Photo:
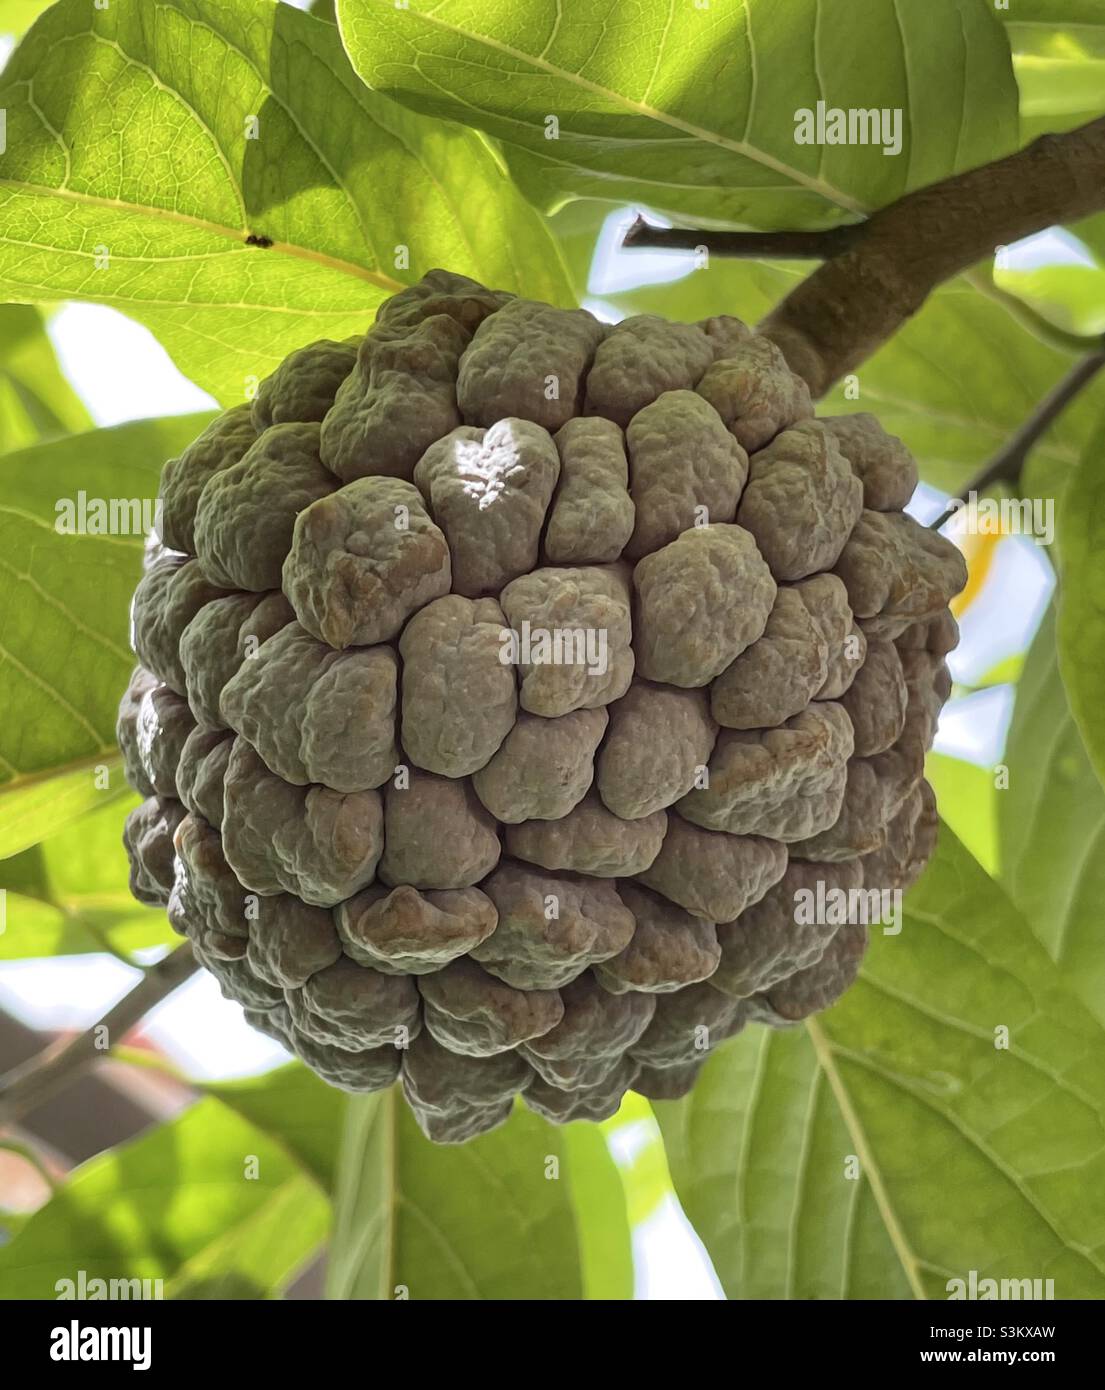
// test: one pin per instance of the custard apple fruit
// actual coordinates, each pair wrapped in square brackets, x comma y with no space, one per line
[504,676]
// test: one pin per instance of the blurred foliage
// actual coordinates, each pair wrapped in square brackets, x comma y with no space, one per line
[890,1144]
[68,894]
[36,401]
[206,1200]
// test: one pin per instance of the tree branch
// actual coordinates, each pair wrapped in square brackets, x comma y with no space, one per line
[1007,463]
[847,308]
[803,246]
[877,273]
[43,1076]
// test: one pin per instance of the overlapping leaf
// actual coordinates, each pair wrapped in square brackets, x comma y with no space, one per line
[968,803]
[975,1155]
[68,894]
[64,653]
[296,1107]
[147,144]
[492,1218]
[692,109]
[208,1203]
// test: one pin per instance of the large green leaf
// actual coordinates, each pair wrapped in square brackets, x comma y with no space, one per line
[34,807]
[1051,822]
[954,383]
[1059,60]
[64,657]
[36,401]
[1061,14]
[974,1156]
[485,1219]
[967,799]
[600,1202]
[18,15]
[1082,598]
[758,1153]
[68,894]
[692,110]
[1070,296]
[208,1203]
[127,135]
[296,1107]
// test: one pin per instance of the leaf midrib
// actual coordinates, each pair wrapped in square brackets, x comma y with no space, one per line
[235,234]
[910,1261]
[649,112]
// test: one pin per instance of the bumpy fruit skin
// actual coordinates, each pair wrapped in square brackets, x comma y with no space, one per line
[410,844]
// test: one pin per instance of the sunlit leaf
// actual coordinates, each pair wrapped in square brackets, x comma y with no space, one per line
[968,804]
[146,144]
[297,1107]
[69,895]
[207,1203]
[64,649]
[1070,296]
[692,109]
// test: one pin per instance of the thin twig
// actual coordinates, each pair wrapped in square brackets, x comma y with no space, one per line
[44,1075]
[803,246]
[1007,463]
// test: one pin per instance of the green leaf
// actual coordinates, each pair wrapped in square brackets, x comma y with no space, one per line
[151,213]
[1091,231]
[1059,93]
[1051,822]
[69,894]
[968,804]
[954,382]
[459,1222]
[18,15]
[1055,14]
[36,401]
[64,653]
[38,807]
[598,1194]
[758,1155]
[971,1156]
[1059,59]
[644,1171]
[1070,296]
[1082,598]
[176,1204]
[1007,672]
[693,110]
[296,1107]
